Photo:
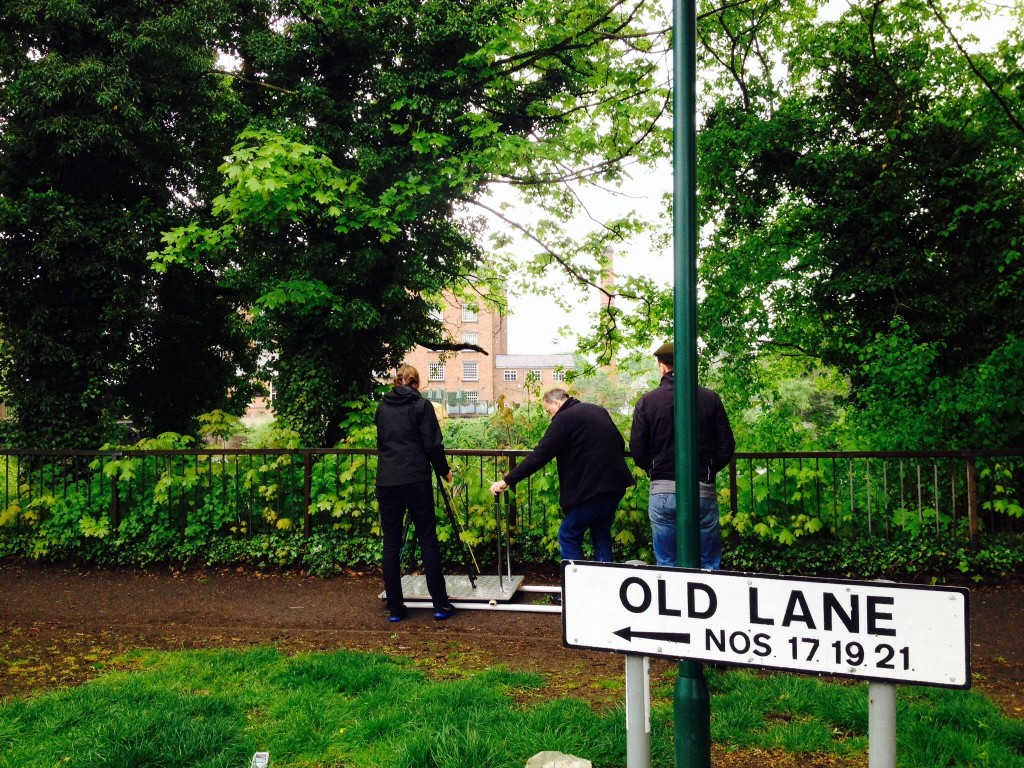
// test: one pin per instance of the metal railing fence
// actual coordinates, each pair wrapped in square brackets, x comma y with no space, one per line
[239,491]
[247,491]
[879,492]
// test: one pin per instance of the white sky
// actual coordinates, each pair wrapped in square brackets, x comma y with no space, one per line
[535,320]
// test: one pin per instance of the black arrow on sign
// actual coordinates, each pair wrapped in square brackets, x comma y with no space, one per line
[627,633]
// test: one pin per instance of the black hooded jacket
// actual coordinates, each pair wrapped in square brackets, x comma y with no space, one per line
[408,439]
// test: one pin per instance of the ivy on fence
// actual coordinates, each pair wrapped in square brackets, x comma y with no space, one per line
[168,501]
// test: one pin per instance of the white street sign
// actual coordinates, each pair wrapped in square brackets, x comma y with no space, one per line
[898,633]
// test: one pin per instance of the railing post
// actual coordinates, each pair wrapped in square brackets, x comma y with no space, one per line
[307,487]
[513,507]
[734,491]
[972,501]
[115,499]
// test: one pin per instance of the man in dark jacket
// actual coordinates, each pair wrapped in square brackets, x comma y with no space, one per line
[653,447]
[592,472]
[409,445]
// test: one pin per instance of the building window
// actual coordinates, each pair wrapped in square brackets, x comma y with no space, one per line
[435,372]
[469,313]
[511,375]
[558,375]
[472,396]
[536,375]
[469,372]
[470,337]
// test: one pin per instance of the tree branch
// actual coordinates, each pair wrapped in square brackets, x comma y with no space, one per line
[441,346]
[247,81]
[973,67]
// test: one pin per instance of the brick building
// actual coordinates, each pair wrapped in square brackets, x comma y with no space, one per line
[470,383]
[516,373]
[463,380]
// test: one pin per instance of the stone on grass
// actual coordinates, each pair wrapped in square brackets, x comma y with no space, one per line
[551,759]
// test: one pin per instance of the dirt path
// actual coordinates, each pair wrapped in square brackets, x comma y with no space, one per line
[60,626]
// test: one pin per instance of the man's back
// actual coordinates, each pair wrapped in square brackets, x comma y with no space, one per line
[652,439]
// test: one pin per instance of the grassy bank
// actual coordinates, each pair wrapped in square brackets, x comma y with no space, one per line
[214,709]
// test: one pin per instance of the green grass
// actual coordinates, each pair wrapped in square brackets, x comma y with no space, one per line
[934,726]
[214,709]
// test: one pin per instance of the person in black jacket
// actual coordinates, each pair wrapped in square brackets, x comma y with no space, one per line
[409,445]
[592,472]
[652,445]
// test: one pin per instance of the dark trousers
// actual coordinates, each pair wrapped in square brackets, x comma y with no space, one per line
[418,499]
[596,514]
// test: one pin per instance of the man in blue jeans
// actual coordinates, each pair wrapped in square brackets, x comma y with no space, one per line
[653,447]
[592,472]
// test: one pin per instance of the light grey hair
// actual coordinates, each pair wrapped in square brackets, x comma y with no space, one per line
[555,395]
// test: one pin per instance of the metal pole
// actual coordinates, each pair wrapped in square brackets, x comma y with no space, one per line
[972,502]
[881,725]
[638,711]
[692,703]
[508,540]
[307,487]
[638,706]
[497,525]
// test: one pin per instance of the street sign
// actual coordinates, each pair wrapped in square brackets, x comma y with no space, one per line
[897,633]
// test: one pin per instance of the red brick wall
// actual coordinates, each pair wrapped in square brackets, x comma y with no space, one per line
[491,331]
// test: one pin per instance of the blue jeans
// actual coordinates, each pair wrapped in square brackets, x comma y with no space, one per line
[418,499]
[596,515]
[662,510]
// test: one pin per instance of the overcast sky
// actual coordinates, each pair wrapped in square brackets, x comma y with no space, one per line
[535,320]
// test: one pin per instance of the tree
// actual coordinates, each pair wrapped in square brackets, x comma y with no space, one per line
[873,198]
[110,126]
[344,210]
[858,183]
[738,49]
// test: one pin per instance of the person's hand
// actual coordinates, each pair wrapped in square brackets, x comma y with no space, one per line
[499,487]
[448,478]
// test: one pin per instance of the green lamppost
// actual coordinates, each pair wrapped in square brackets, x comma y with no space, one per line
[692,702]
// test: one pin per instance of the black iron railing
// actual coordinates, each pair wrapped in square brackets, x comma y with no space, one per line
[877,492]
[783,495]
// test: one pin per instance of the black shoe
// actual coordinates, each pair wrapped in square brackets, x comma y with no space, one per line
[444,613]
[398,615]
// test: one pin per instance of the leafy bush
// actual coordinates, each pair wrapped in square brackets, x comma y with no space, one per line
[921,557]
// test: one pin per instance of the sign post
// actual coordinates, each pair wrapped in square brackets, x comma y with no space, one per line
[638,711]
[881,725]
[880,631]
[638,707]
[691,701]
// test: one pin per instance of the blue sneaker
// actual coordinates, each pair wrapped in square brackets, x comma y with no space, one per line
[444,613]
[398,615]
